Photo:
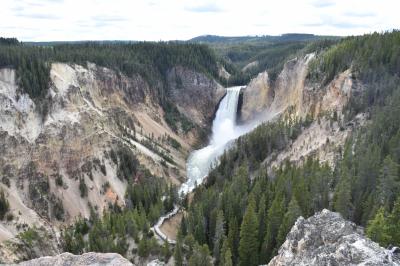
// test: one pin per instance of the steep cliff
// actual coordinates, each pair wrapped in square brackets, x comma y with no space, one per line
[92,113]
[292,89]
[292,93]
[195,94]
[327,239]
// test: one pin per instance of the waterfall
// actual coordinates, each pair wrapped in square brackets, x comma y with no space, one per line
[224,129]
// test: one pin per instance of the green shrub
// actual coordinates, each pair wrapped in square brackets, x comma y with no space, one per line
[29,236]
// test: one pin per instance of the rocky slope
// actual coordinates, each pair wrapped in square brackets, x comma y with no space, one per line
[327,239]
[92,113]
[292,89]
[194,94]
[292,93]
[91,258]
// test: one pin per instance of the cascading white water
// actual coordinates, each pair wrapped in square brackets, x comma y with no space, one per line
[224,129]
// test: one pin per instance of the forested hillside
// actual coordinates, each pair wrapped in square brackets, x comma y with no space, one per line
[242,214]
[149,60]
[146,200]
[245,57]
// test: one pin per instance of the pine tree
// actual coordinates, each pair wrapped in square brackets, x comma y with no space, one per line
[227,258]
[219,234]
[166,251]
[389,185]
[4,204]
[248,245]
[377,228]
[394,223]
[289,219]
[200,257]
[262,213]
[178,255]
[83,188]
[233,239]
[274,220]
[190,244]
[342,199]
[224,250]
[183,226]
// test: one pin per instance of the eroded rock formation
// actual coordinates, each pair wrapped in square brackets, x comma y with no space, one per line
[327,239]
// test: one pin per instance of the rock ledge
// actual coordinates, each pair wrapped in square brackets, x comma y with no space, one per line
[327,239]
[90,258]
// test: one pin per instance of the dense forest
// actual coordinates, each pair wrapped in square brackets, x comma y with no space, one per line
[374,60]
[242,214]
[247,56]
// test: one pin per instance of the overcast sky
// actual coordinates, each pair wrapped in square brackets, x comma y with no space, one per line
[45,20]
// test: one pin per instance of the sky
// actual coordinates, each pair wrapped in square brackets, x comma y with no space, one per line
[154,20]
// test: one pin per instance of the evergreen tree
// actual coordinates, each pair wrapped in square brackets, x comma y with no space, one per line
[233,239]
[166,251]
[378,229]
[219,234]
[225,248]
[200,257]
[274,220]
[4,204]
[289,219]
[394,223]
[178,255]
[342,200]
[389,183]
[190,244]
[227,258]
[83,188]
[248,245]
[262,213]
[183,226]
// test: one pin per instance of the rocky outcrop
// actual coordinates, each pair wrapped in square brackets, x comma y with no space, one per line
[292,93]
[327,239]
[257,97]
[34,243]
[292,90]
[273,98]
[91,258]
[323,139]
[223,73]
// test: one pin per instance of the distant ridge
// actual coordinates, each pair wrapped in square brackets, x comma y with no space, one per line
[278,38]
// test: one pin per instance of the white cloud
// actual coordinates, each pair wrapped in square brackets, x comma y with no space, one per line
[41,20]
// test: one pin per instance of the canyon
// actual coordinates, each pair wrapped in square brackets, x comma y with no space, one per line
[60,167]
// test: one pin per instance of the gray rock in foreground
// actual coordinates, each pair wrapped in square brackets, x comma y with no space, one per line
[327,239]
[68,259]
